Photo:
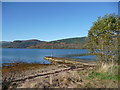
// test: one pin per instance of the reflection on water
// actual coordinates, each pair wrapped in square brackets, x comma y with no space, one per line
[10,55]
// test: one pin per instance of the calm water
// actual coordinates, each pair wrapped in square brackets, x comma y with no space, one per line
[10,55]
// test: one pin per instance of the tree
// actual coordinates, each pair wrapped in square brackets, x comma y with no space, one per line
[103,38]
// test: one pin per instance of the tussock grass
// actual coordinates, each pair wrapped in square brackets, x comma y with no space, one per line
[105,76]
[67,80]
[105,73]
[102,77]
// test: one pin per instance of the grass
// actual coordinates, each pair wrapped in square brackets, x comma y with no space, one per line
[98,77]
[77,79]
[101,78]
[108,75]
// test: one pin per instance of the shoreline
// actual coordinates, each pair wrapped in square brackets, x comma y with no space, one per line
[36,69]
[38,48]
[55,64]
[43,71]
[48,76]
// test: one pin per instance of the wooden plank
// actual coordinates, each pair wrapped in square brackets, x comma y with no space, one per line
[69,61]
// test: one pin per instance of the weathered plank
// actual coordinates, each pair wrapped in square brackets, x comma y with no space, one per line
[69,60]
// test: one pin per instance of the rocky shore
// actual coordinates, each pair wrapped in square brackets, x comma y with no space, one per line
[55,75]
[20,73]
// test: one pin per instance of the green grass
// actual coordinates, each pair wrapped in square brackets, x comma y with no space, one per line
[101,76]
[109,75]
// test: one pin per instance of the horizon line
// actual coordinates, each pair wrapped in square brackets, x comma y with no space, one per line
[42,40]
[60,0]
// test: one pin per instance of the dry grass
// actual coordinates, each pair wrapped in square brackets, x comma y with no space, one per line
[103,77]
[62,80]
[105,67]
[99,77]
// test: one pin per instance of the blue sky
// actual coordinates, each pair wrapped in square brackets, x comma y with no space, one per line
[49,21]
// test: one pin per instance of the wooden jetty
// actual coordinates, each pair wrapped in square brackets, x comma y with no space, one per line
[69,61]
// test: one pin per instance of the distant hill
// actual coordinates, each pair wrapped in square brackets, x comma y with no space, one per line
[3,43]
[70,43]
[71,40]
[21,43]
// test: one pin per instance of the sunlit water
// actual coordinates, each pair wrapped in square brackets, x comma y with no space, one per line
[10,55]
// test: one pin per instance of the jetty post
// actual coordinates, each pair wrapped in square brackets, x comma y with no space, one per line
[52,50]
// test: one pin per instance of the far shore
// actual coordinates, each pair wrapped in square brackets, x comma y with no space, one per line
[42,48]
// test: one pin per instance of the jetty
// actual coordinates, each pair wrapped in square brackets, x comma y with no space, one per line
[54,60]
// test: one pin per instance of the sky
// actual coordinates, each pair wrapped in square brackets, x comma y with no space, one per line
[48,21]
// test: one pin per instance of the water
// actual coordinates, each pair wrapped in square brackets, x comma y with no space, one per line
[10,55]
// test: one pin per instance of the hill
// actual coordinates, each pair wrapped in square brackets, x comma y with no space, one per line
[70,43]
[4,42]
[21,43]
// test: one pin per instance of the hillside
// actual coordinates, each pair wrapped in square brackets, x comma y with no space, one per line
[70,43]
[4,42]
[21,43]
